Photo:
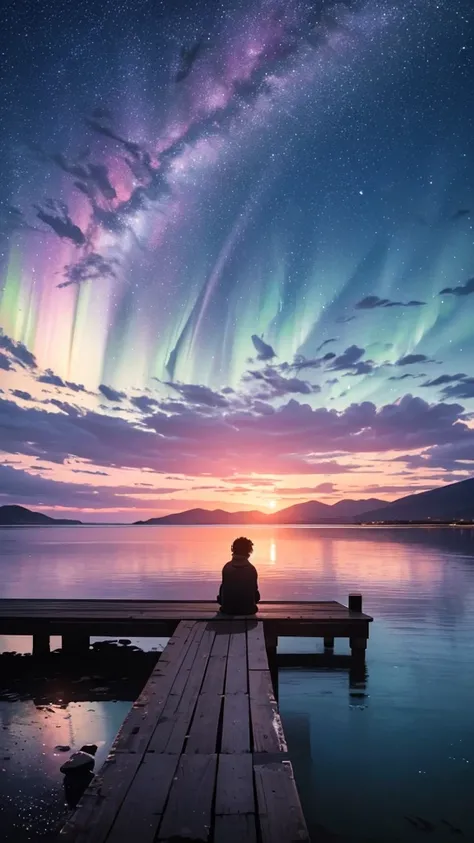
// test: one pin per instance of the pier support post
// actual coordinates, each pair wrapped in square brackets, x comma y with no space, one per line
[75,643]
[41,644]
[328,643]
[355,602]
[358,648]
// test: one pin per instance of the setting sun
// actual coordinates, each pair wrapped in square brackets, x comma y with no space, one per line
[271,504]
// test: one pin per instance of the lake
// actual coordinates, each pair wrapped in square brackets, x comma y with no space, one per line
[363,764]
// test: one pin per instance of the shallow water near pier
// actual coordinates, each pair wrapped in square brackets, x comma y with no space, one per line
[387,761]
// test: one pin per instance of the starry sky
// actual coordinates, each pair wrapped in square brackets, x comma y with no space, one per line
[236,252]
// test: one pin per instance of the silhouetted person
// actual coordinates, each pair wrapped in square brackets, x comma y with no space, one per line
[239,594]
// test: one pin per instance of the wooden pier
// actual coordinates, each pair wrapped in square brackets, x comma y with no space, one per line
[77,620]
[202,754]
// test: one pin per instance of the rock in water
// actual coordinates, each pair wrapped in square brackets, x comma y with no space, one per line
[80,761]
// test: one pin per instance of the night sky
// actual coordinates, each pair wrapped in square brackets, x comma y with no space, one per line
[236,252]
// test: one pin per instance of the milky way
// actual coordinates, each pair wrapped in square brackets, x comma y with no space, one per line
[266,197]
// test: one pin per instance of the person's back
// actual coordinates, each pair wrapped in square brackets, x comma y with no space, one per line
[238,594]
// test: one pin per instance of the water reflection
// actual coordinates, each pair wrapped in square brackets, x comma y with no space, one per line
[395,744]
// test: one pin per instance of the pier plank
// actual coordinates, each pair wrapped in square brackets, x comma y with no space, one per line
[267,729]
[279,809]
[188,813]
[236,723]
[236,679]
[140,813]
[172,727]
[235,828]
[256,650]
[235,791]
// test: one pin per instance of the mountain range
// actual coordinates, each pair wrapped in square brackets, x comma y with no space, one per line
[454,502]
[310,512]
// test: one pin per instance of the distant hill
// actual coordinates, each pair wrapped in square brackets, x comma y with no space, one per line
[453,502]
[11,516]
[209,516]
[310,512]
[314,511]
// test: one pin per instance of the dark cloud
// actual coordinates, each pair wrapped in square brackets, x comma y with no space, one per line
[411,359]
[57,217]
[86,471]
[90,268]
[343,319]
[324,488]
[19,393]
[50,378]
[442,380]
[399,491]
[264,351]
[289,491]
[111,394]
[187,58]
[372,302]
[326,342]
[199,395]
[350,360]
[464,389]
[18,351]
[463,289]
[274,385]
[282,441]
[94,174]
[404,377]
[144,403]
[5,362]
[302,362]
[22,487]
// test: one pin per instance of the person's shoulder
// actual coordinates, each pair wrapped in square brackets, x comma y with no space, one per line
[253,567]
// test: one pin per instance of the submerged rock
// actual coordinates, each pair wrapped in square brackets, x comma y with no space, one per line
[80,761]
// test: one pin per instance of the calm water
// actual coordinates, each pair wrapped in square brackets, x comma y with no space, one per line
[363,764]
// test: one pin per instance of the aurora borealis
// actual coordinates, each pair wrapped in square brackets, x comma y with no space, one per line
[236,252]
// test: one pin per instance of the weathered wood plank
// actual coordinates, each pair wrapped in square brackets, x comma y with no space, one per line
[235,828]
[236,724]
[257,653]
[172,727]
[267,729]
[188,811]
[140,813]
[203,734]
[279,809]
[235,791]
[236,677]
[221,641]
[139,724]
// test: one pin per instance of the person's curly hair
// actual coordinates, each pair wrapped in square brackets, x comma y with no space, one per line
[242,546]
